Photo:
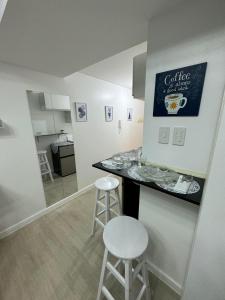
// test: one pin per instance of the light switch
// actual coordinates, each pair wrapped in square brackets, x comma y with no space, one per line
[164,135]
[179,134]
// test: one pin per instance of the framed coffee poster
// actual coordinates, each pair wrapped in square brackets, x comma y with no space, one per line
[178,92]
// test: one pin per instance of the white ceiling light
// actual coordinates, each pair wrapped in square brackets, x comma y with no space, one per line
[2,8]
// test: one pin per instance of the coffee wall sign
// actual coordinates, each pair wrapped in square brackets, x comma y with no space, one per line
[178,92]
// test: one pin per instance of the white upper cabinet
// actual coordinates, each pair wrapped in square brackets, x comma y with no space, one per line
[45,100]
[60,102]
[139,73]
[54,102]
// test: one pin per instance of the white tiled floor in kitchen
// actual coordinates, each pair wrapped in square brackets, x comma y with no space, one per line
[61,188]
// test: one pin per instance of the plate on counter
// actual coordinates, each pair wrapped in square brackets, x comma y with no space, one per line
[155,173]
[111,164]
[194,187]
[132,172]
[128,155]
[152,174]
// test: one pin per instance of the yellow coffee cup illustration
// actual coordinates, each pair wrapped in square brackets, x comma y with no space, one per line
[174,102]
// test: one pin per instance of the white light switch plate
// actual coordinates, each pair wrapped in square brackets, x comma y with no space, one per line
[179,134]
[164,135]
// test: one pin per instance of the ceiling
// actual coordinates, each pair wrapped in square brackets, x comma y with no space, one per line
[62,37]
[117,69]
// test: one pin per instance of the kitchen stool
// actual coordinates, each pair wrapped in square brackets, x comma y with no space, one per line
[44,164]
[107,185]
[126,239]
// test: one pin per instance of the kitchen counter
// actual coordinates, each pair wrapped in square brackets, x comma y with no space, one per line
[131,189]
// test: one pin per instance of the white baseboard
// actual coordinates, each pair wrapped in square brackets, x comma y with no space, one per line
[43,212]
[175,286]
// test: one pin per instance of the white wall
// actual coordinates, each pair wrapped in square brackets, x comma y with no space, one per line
[21,193]
[21,190]
[171,47]
[206,272]
[182,37]
[96,139]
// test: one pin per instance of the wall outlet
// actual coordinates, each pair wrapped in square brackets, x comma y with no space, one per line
[179,134]
[164,135]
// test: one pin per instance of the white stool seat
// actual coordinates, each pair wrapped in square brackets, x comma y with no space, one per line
[107,183]
[110,198]
[125,237]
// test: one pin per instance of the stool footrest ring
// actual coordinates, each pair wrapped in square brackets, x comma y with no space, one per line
[116,265]
[141,293]
[99,222]
[107,294]
[136,271]
[117,274]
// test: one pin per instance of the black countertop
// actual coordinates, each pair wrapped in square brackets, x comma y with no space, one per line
[193,198]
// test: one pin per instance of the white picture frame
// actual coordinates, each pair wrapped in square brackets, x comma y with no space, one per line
[81,111]
[129,114]
[108,113]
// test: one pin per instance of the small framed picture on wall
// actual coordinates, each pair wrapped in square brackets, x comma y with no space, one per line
[129,114]
[108,113]
[81,112]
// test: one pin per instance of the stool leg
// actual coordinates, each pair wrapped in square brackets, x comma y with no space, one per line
[49,169]
[102,276]
[146,280]
[50,173]
[128,280]
[118,199]
[95,211]
[107,207]
[45,160]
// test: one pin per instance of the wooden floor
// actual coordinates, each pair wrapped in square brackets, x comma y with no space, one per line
[54,258]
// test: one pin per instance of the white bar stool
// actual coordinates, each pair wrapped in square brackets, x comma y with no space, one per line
[44,164]
[127,239]
[107,185]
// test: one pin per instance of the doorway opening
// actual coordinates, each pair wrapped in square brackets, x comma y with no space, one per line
[52,129]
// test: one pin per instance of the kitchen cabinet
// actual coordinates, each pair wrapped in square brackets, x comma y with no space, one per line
[139,73]
[49,115]
[45,100]
[60,102]
[54,102]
